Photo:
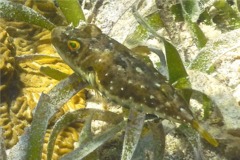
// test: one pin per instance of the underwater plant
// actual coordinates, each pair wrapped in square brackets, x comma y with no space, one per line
[137,129]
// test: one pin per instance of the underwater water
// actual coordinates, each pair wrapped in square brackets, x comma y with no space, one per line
[48,112]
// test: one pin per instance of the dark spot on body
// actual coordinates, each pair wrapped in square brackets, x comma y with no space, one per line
[90,69]
[119,61]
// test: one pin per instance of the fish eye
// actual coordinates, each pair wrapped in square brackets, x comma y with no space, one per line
[73,45]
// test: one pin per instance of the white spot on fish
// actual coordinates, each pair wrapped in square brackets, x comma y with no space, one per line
[186,114]
[111,82]
[111,88]
[106,51]
[139,70]
[142,86]
[120,68]
[96,50]
[129,81]
[168,104]
[100,60]
[130,98]
[157,84]
[122,88]
[106,74]
[152,97]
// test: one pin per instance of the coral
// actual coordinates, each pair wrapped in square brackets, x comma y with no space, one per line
[22,82]
[7,60]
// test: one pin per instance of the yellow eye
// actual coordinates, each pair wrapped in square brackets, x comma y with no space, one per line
[73,45]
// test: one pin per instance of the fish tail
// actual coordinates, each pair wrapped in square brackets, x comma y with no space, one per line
[204,133]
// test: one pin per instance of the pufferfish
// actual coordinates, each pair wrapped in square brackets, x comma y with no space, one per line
[118,74]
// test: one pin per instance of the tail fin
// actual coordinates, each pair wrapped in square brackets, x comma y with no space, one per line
[204,133]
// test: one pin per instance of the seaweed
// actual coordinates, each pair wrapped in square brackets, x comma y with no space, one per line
[11,11]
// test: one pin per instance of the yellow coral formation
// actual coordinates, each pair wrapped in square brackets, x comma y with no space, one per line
[22,83]
[6,59]
[64,142]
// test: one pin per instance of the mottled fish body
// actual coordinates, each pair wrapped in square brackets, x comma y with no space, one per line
[116,72]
